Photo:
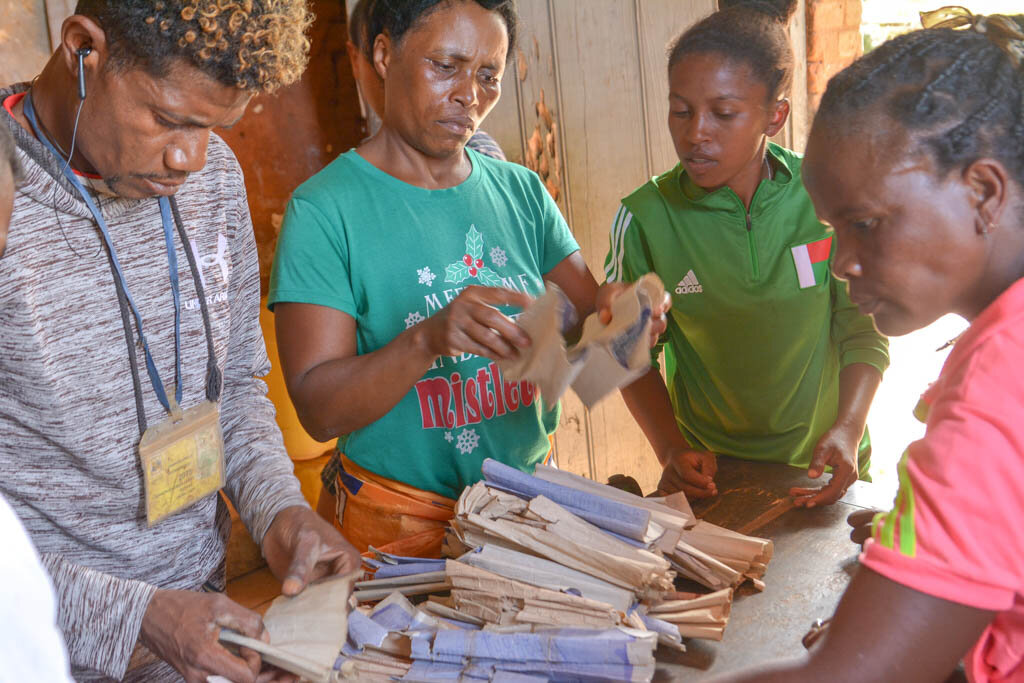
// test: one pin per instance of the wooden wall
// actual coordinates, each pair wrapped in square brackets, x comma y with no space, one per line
[24,39]
[287,137]
[599,67]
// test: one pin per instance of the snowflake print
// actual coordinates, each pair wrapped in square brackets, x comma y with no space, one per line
[413,318]
[468,441]
[448,437]
[426,276]
[499,257]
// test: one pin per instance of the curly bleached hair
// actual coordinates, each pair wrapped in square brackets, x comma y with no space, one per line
[256,45]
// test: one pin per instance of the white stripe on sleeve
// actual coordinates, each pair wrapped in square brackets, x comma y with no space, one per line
[622,245]
[609,268]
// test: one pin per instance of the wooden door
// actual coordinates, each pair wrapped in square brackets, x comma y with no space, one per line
[588,81]
[586,105]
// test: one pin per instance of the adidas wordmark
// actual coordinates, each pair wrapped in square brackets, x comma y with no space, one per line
[689,285]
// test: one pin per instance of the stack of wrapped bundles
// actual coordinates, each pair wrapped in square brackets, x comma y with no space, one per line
[399,641]
[549,577]
[703,552]
[694,616]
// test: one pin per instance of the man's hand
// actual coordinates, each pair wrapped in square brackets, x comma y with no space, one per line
[837,448]
[182,627]
[689,471]
[301,547]
[472,323]
[606,295]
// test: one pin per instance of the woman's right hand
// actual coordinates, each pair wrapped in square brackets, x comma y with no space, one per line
[689,471]
[472,323]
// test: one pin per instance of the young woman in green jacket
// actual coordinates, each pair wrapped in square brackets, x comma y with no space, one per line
[768,359]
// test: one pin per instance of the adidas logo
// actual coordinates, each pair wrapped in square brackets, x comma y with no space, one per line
[689,285]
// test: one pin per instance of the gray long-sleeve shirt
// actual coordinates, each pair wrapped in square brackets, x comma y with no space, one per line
[69,462]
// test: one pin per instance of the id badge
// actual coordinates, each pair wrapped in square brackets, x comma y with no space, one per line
[182,461]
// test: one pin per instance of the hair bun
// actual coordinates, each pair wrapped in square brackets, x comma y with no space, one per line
[780,10]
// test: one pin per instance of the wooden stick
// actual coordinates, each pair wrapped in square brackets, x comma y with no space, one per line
[381,593]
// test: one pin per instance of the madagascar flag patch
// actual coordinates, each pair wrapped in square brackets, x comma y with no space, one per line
[811,262]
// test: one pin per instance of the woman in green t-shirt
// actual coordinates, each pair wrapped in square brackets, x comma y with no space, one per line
[400,264]
[771,360]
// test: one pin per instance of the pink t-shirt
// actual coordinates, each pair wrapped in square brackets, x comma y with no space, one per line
[956,530]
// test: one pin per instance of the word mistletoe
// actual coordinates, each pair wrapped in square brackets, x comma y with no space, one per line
[472,263]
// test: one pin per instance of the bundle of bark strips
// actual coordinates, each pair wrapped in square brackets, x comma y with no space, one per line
[711,555]
[399,641]
[549,555]
[693,615]
[716,557]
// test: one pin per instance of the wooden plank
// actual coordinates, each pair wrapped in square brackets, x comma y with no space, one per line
[302,128]
[600,101]
[659,23]
[503,122]
[572,440]
[535,76]
[24,40]
[538,81]
[794,134]
[56,12]
[800,116]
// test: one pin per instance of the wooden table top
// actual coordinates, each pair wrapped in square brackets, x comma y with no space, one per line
[812,564]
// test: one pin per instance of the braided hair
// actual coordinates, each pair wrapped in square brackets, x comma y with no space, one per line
[752,32]
[958,93]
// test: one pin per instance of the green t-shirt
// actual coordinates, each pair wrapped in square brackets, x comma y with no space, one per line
[390,255]
[759,328]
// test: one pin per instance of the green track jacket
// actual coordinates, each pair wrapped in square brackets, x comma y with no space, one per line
[758,330]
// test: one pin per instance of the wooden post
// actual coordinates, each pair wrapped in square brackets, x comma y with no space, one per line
[56,12]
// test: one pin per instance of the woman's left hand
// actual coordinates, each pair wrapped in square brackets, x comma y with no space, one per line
[837,448]
[606,295]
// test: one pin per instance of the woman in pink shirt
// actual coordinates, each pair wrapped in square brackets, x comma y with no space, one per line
[916,159]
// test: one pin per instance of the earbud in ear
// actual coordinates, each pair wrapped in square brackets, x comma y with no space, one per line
[82,53]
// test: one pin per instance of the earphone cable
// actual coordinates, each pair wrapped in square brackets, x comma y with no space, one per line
[53,198]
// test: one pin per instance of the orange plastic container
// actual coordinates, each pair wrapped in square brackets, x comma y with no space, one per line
[306,452]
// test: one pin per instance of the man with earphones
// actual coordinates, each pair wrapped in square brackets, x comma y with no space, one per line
[128,358]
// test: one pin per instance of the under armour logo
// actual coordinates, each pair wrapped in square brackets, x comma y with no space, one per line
[218,259]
